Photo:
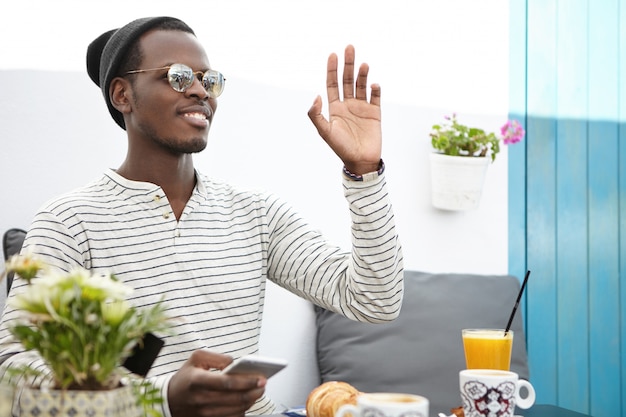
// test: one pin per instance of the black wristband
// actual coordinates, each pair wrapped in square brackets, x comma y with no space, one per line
[366,177]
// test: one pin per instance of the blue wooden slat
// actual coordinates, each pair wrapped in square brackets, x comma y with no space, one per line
[571,232]
[541,107]
[572,312]
[603,208]
[604,323]
[622,257]
[517,154]
[541,302]
[622,202]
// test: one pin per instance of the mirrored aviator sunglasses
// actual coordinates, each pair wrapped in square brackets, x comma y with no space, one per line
[181,77]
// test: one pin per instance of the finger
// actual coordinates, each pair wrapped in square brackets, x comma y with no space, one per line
[207,381]
[237,382]
[207,360]
[228,403]
[375,95]
[315,114]
[332,85]
[361,82]
[228,398]
[348,73]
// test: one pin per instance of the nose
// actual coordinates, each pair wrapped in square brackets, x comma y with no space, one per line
[196,89]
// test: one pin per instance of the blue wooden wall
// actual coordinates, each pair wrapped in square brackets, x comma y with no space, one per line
[567,193]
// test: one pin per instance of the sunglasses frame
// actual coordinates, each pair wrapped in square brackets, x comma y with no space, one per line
[206,78]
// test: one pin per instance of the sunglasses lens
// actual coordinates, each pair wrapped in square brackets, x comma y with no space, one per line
[213,82]
[180,77]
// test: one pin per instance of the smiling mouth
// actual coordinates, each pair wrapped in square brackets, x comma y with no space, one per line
[198,116]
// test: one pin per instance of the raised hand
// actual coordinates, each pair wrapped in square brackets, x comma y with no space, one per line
[353,129]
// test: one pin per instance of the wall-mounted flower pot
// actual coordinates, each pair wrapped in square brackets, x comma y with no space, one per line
[457,181]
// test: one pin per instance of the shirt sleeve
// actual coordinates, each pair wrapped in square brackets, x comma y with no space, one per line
[364,283]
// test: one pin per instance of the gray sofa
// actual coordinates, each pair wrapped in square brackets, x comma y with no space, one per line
[422,351]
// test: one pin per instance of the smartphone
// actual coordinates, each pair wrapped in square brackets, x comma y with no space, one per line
[254,364]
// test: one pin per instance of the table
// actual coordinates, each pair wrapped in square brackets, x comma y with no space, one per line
[537,410]
[542,410]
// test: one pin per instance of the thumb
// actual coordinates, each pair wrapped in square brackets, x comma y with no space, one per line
[318,120]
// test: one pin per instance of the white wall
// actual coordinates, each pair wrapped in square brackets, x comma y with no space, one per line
[431,58]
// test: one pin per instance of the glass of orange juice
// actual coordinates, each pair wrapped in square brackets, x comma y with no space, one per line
[487,348]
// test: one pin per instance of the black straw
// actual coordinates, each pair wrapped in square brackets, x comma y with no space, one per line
[519,296]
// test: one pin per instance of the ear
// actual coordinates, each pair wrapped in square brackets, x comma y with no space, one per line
[120,93]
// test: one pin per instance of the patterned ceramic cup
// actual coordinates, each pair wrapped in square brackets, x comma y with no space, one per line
[493,393]
[386,404]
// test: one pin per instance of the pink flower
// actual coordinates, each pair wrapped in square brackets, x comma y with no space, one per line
[512,132]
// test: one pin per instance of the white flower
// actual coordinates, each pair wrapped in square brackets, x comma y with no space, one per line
[26,266]
[114,311]
[103,287]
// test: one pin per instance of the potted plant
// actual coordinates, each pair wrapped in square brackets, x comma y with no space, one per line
[459,163]
[83,328]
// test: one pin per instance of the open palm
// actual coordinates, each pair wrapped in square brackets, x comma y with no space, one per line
[353,129]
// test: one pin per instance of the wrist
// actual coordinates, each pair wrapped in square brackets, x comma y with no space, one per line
[369,176]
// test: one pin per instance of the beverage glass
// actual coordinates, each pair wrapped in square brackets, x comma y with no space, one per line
[386,404]
[492,392]
[487,348]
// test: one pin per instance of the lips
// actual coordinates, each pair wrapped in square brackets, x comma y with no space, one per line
[200,113]
[199,116]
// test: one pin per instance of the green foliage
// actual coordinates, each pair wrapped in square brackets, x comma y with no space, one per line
[83,328]
[148,396]
[453,138]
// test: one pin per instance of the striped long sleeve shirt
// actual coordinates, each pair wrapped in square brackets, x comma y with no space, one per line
[212,264]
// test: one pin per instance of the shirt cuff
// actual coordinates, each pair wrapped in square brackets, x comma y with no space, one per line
[163,382]
[370,176]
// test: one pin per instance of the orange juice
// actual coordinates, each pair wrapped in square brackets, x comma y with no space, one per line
[487,348]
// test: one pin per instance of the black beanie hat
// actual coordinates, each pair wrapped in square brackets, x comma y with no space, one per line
[105,53]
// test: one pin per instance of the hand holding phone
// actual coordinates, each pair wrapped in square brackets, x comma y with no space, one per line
[255,364]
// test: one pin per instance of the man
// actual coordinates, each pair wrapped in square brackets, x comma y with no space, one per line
[207,247]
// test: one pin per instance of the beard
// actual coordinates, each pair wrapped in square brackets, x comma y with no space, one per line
[176,146]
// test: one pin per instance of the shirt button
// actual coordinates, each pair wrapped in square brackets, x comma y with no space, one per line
[166,215]
[177,233]
[157,198]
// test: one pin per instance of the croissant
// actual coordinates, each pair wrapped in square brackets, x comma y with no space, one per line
[458,411]
[326,399]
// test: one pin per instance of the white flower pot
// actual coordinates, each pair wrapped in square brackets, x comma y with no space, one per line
[34,402]
[457,181]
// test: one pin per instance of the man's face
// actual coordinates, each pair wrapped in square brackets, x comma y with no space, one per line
[161,116]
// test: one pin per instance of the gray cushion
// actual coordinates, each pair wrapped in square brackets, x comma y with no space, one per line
[422,351]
